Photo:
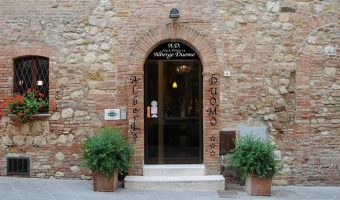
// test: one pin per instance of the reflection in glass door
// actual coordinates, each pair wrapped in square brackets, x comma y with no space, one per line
[173,117]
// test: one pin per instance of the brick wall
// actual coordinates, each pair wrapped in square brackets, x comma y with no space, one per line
[282,56]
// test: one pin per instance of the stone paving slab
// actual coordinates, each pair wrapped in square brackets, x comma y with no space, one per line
[56,189]
[287,193]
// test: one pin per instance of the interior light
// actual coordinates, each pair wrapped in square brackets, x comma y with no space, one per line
[21,82]
[40,82]
[183,69]
[174,85]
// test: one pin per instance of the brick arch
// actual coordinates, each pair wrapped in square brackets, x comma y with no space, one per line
[135,91]
[31,51]
[177,32]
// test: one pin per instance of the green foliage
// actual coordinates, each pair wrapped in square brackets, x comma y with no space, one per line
[106,151]
[254,155]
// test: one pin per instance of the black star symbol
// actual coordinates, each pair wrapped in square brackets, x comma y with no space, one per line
[212,138]
[212,145]
[212,153]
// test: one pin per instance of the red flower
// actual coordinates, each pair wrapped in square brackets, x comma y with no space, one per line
[16,105]
[4,105]
[19,98]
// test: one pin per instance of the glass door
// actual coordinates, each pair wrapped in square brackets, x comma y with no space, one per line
[173,117]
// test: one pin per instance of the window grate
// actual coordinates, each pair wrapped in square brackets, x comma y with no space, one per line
[31,72]
[18,166]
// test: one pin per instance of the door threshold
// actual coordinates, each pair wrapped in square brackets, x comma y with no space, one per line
[174,165]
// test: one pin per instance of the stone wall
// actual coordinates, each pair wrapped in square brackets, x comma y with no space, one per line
[282,55]
[317,146]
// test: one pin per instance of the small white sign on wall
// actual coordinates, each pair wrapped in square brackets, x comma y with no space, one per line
[154,109]
[112,114]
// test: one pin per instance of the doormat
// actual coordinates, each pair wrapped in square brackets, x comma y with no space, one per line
[227,194]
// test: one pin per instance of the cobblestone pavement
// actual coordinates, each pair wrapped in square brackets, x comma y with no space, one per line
[56,189]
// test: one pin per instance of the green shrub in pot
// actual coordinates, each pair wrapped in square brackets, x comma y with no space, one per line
[254,160]
[105,154]
[254,155]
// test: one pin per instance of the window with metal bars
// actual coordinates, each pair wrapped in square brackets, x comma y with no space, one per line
[31,72]
[18,166]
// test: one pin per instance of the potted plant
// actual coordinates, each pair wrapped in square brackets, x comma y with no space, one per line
[106,154]
[23,106]
[254,160]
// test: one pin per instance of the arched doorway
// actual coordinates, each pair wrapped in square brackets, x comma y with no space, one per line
[173,105]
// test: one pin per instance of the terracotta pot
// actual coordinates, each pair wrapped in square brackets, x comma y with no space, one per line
[103,184]
[258,186]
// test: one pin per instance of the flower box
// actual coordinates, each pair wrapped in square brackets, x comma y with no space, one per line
[24,107]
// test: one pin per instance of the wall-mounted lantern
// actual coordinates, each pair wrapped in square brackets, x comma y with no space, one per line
[174,13]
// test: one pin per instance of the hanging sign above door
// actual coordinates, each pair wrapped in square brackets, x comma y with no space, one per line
[173,51]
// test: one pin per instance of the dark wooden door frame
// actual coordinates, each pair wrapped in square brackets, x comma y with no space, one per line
[161,82]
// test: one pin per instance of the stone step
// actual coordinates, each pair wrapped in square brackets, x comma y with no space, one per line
[213,182]
[174,170]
